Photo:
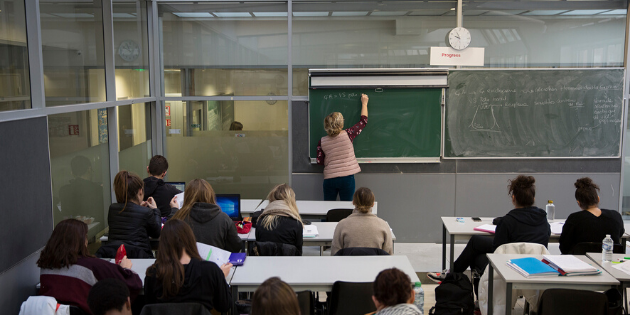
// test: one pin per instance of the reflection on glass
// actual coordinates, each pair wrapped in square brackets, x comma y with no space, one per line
[224,49]
[134,138]
[72,47]
[79,160]
[132,54]
[200,144]
[14,76]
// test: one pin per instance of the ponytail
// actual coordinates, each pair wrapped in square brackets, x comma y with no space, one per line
[126,187]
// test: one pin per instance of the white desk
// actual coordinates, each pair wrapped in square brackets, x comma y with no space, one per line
[326,232]
[621,276]
[156,241]
[514,280]
[308,208]
[314,273]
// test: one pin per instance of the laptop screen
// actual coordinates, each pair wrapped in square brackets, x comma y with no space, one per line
[178,185]
[230,204]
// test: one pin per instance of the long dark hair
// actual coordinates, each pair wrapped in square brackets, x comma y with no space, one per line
[175,237]
[67,243]
[126,187]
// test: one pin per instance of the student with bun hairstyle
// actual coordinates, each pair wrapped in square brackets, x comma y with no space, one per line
[336,153]
[525,223]
[179,275]
[363,228]
[393,294]
[131,220]
[275,297]
[592,223]
[280,222]
[209,224]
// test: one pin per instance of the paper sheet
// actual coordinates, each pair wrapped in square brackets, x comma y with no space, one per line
[180,200]
[624,266]
[490,228]
[556,227]
[310,231]
[213,254]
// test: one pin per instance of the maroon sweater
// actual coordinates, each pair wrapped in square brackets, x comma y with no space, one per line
[72,285]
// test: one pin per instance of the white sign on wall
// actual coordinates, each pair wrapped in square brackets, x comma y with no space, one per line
[447,56]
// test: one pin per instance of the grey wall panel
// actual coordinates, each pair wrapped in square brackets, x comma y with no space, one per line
[18,283]
[25,189]
[308,186]
[486,194]
[540,166]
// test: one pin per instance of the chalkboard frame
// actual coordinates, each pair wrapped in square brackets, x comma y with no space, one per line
[434,78]
[624,117]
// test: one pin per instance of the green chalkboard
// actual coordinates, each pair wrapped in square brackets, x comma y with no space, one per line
[534,113]
[402,123]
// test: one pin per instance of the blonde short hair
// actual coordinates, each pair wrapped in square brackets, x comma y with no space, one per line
[333,124]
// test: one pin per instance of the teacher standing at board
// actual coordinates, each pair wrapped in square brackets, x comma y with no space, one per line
[336,153]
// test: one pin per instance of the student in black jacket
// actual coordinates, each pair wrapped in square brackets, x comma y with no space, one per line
[280,222]
[179,275]
[154,185]
[131,220]
[592,223]
[210,225]
[526,223]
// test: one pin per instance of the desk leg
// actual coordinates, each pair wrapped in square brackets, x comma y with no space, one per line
[624,288]
[452,252]
[508,299]
[490,288]
[443,246]
[623,242]
[234,299]
[321,251]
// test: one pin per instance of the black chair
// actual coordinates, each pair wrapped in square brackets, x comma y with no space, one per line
[594,247]
[351,298]
[336,215]
[175,308]
[574,302]
[307,302]
[75,310]
[361,251]
[272,249]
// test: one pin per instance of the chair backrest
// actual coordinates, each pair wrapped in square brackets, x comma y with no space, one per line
[272,249]
[175,308]
[594,247]
[575,302]
[307,302]
[336,215]
[360,251]
[351,298]
[109,250]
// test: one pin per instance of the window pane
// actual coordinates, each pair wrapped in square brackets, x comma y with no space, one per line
[72,47]
[132,54]
[79,160]
[400,34]
[225,48]
[134,138]
[14,77]
[200,144]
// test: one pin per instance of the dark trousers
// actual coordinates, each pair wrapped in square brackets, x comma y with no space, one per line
[344,186]
[474,255]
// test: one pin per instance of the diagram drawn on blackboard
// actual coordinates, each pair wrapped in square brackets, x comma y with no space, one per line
[484,119]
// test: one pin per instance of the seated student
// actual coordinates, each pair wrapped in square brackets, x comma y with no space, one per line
[393,294]
[179,275]
[209,224]
[109,297]
[280,222]
[275,297]
[131,220]
[592,223]
[68,271]
[155,187]
[526,223]
[363,228]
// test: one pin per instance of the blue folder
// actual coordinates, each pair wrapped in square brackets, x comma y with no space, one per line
[532,267]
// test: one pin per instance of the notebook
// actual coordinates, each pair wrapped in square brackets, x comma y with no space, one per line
[556,228]
[486,228]
[310,231]
[531,267]
[220,256]
[569,265]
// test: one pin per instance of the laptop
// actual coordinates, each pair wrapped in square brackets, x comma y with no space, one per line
[178,185]
[231,205]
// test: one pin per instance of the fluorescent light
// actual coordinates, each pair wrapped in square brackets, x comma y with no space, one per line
[74,15]
[232,14]
[583,12]
[123,15]
[616,12]
[349,13]
[310,13]
[270,14]
[388,13]
[193,14]
[544,12]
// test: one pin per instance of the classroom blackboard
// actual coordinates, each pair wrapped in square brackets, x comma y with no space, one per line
[402,123]
[534,113]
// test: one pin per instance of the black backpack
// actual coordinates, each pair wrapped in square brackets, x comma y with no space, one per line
[454,296]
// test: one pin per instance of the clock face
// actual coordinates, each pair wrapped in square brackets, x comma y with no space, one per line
[129,50]
[459,38]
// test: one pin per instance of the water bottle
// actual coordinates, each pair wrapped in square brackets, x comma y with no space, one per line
[551,211]
[419,296]
[607,248]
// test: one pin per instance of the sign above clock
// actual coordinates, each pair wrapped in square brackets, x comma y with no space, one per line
[447,56]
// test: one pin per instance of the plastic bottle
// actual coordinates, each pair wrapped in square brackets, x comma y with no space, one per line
[607,248]
[551,210]
[419,296]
